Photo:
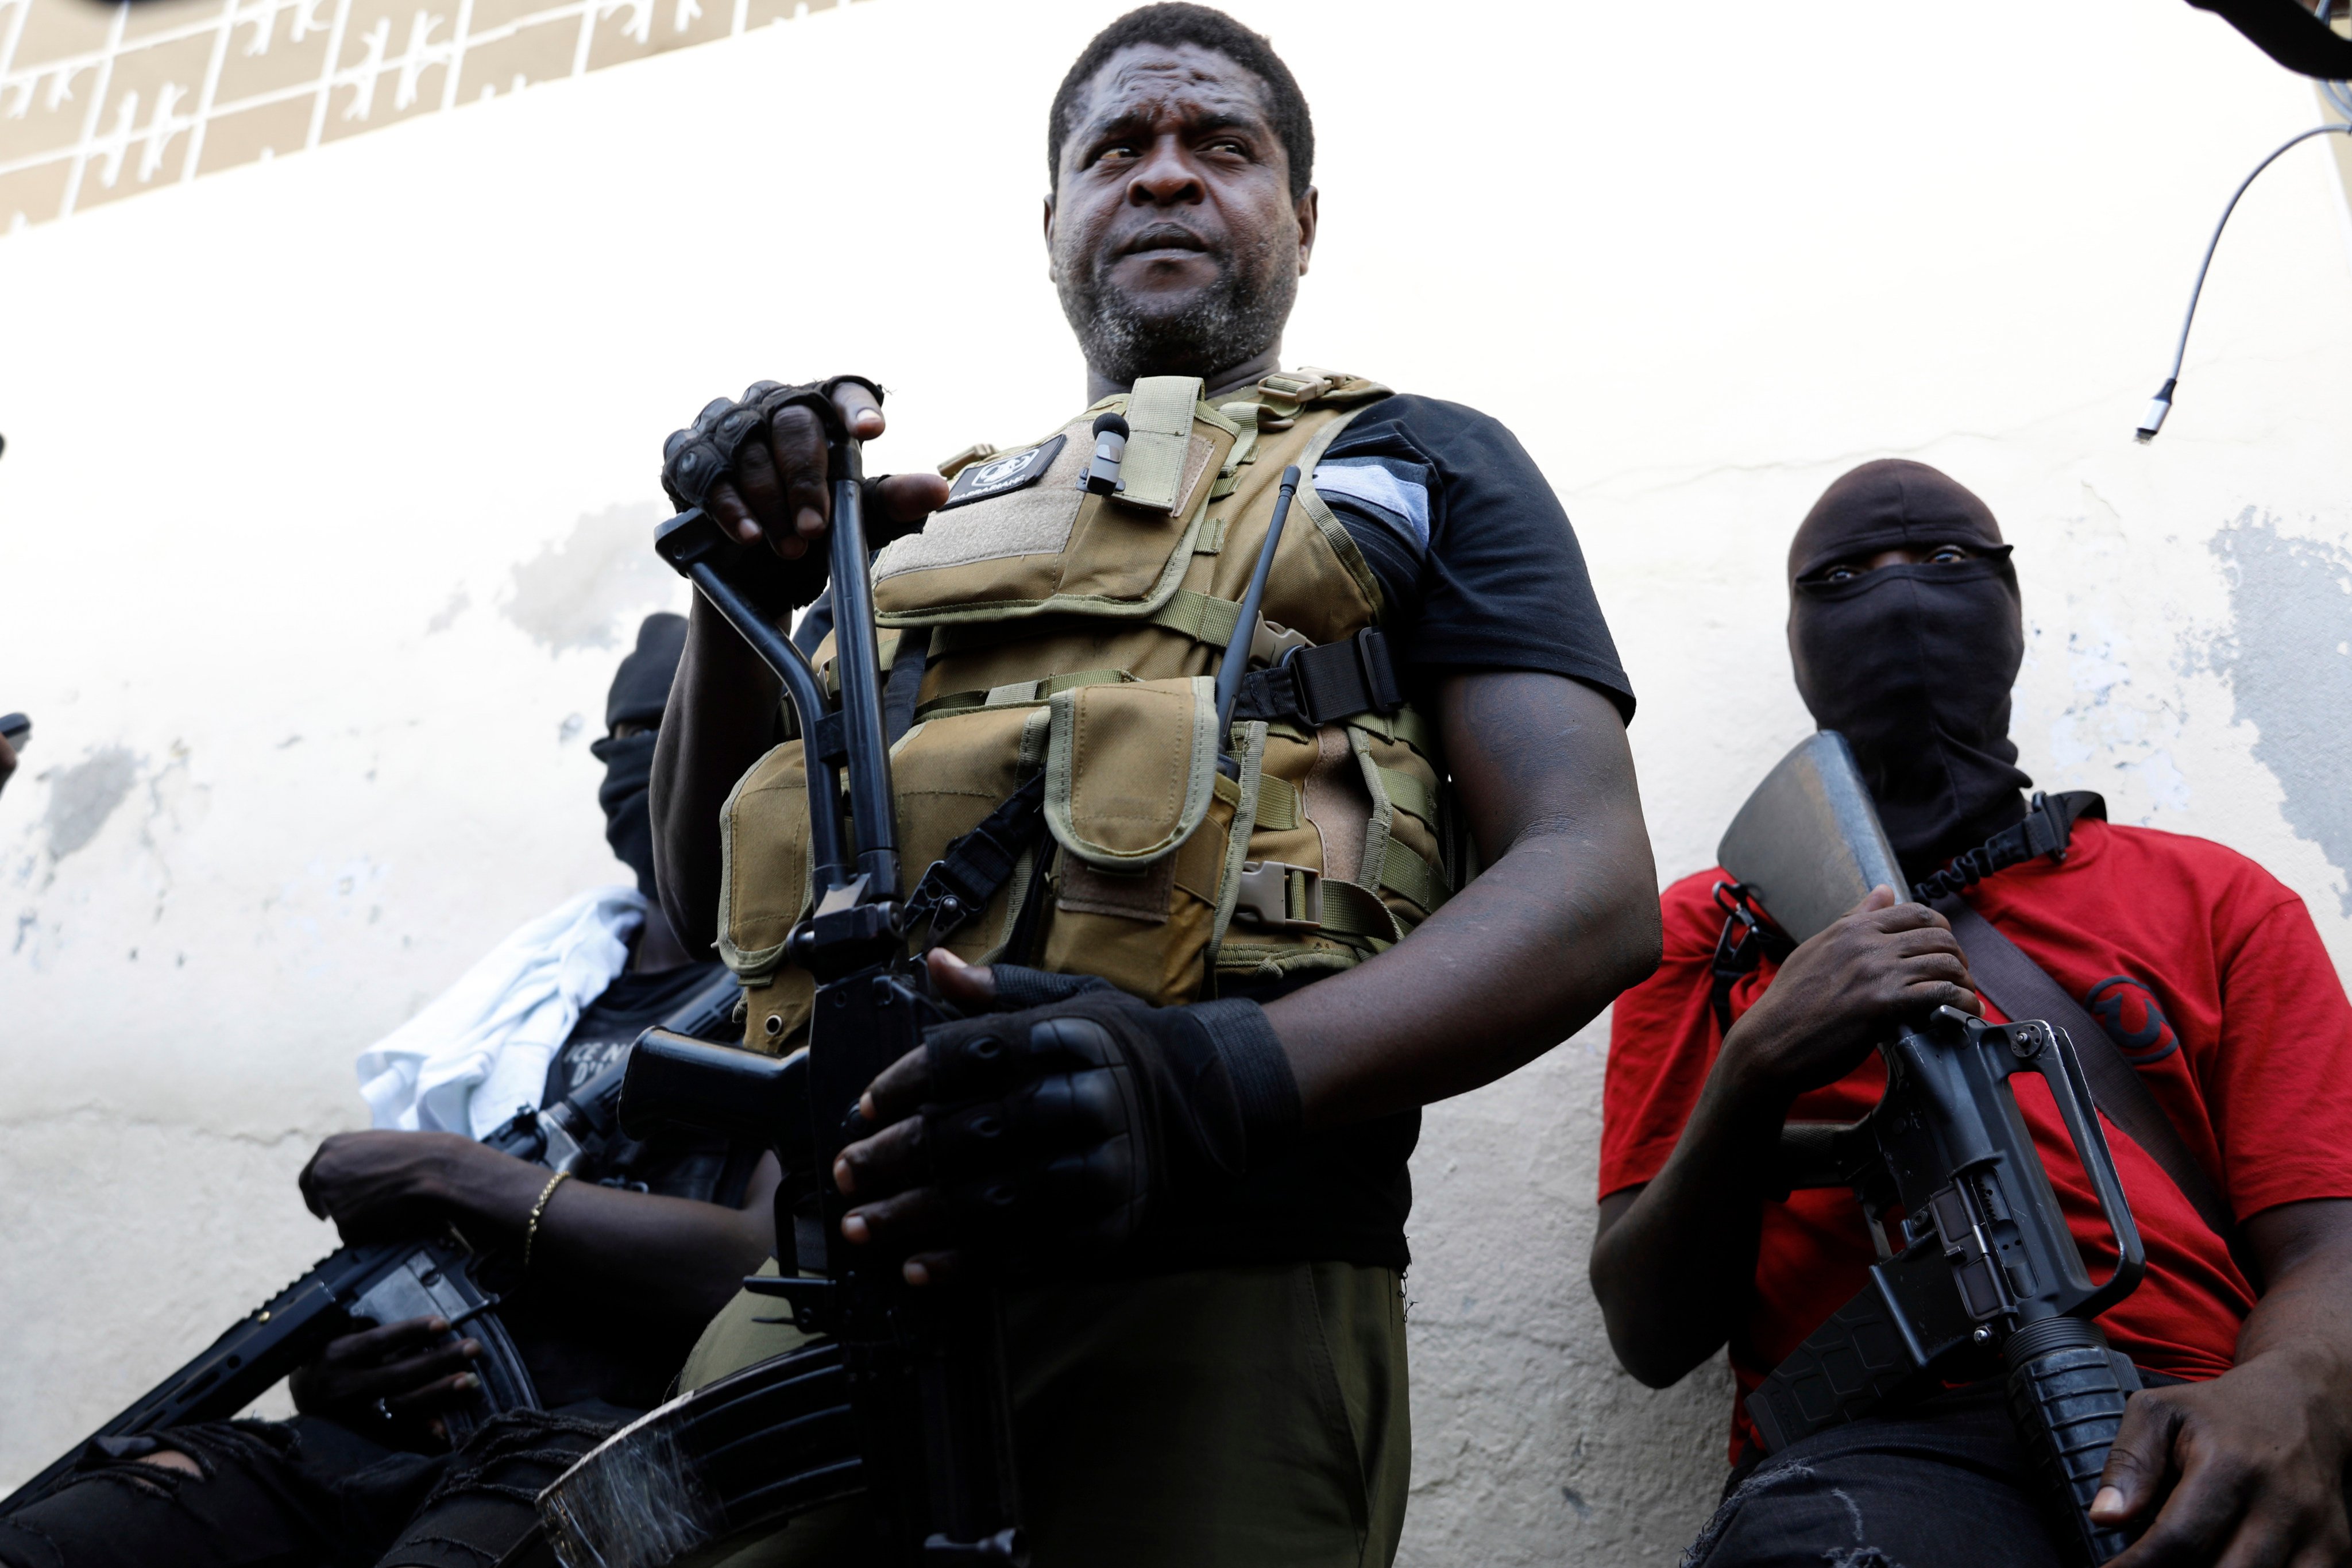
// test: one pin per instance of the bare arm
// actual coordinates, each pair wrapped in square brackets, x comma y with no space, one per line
[720,719]
[680,1258]
[2255,1458]
[1674,1262]
[1565,917]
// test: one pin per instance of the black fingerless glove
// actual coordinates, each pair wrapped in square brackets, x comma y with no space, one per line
[695,459]
[1064,1124]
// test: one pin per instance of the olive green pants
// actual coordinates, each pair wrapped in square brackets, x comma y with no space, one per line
[1220,1418]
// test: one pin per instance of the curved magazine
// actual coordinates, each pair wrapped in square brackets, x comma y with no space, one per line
[684,1484]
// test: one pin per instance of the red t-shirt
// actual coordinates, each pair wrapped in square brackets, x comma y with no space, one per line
[2207,972]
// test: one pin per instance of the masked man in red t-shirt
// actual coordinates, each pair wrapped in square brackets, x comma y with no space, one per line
[2207,973]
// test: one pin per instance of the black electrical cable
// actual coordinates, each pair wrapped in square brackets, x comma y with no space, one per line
[2162,402]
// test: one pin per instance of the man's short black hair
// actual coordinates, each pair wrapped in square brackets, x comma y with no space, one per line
[1173,24]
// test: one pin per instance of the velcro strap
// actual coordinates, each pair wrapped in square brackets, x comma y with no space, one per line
[1407,793]
[1349,910]
[1015,693]
[1323,685]
[1405,726]
[1277,802]
[1159,435]
[1199,616]
[1405,872]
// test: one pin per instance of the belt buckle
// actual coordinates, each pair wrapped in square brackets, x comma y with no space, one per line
[1267,895]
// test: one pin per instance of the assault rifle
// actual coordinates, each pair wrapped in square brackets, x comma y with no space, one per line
[388,1282]
[903,1396]
[1980,1271]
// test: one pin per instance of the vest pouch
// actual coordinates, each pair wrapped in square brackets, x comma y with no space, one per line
[764,891]
[947,774]
[1132,804]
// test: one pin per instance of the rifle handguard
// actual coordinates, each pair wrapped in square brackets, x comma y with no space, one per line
[2066,1393]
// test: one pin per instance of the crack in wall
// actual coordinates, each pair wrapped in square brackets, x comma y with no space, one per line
[89,1112]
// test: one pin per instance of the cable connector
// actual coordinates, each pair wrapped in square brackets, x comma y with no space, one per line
[2153,420]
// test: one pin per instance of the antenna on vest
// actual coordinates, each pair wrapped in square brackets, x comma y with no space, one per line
[1110,450]
[1235,664]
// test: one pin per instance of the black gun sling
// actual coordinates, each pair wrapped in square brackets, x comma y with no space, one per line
[2023,989]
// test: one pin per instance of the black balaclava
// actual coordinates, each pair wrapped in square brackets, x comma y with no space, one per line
[639,693]
[1913,664]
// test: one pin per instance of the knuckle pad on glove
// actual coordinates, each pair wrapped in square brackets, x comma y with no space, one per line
[1073,1041]
[967,1063]
[973,1140]
[695,459]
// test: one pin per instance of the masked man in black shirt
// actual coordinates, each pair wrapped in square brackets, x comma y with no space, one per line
[606,1278]
[1205,1329]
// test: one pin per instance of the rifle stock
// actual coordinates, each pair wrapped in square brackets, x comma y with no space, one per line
[1808,844]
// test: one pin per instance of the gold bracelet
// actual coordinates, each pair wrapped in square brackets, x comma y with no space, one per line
[531,1231]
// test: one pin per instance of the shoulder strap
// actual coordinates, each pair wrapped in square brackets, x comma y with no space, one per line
[2046,829]
[2023,989]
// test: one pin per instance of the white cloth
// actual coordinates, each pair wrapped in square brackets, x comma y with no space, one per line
[480,1049]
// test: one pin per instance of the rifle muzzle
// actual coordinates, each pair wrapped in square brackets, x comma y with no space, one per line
[674,1079]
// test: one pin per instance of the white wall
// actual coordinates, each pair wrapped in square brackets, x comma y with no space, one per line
[320,512]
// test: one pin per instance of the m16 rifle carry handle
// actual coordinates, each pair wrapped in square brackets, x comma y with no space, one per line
[2044,1048]
[1815,1154]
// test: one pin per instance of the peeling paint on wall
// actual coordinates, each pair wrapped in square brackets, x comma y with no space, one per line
[574,595]
[82,797]
[2288,659]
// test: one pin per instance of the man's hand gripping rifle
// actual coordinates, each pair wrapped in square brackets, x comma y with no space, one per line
[924,1372]
[1979,1270]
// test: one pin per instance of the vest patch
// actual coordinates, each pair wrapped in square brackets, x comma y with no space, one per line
[1000,476]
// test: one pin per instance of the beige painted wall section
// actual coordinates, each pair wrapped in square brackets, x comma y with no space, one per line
[99,103]
[323,513]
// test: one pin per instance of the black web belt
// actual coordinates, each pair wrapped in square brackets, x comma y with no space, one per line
[1316,686]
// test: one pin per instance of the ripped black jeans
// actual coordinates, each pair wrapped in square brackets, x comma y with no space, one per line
[1942,1484]
[305,1493]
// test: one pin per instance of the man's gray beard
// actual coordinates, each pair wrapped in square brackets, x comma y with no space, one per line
[1225,325]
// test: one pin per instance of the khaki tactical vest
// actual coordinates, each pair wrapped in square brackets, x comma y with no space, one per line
[1079,634]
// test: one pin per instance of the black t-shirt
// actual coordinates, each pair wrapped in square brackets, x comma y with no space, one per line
[581,1345]
[1478,564]
[1478,569]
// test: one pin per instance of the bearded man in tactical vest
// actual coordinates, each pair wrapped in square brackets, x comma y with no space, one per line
[1204,1303]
